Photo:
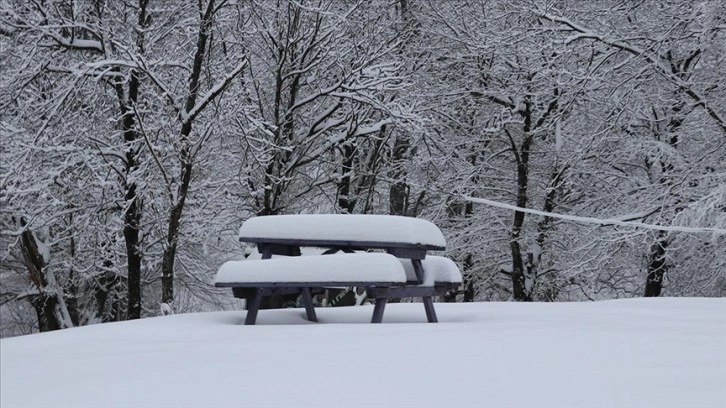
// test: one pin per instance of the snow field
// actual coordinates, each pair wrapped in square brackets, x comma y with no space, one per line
[628,353]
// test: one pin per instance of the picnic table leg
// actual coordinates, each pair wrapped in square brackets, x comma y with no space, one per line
[378,310]
[309,308]
[429,306]
[253,305]
[418,268]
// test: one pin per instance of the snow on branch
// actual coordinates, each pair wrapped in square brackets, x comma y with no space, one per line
[208,97]
[6,29]
[598,221]
[374,128]
[582,33]
[75,43]
[140,63]
[494,97]
[311,98]
[313,152]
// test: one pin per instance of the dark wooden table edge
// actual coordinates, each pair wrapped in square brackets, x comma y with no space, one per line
[328,243]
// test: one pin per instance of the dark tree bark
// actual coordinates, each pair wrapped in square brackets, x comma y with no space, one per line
[133,208]
[192,108]
[519,289]
[656,267]
[346,200]
[167,263]
[399,190]
[44,303]
[72,295]
[106,282]
[132,225]
[469,280]
[543,227]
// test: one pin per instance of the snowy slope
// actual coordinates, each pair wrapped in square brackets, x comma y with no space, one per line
[627,353]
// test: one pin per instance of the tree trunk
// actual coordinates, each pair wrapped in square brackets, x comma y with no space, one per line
[186,161]
[167,263]
[345,201]
[519,280]
[44,303]
[519,284]
[469,279]
[132,220]
[656,266]
[133,211]
[534,257]
[105,282]
[72,296]
[399,190]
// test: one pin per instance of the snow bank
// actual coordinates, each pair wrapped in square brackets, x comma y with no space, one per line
[633,353]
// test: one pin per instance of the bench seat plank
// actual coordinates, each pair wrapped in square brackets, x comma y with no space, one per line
[437,269]
[439,275]
[256,278]
[332,270]
[408,291]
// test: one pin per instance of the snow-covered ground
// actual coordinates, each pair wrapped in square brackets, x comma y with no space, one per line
[627,353]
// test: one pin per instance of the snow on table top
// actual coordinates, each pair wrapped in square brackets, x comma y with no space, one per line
[344,227]
[436,269]
[360,267]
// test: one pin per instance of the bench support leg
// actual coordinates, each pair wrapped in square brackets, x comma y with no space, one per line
[253,305]
[429,306]
[378,310]
[308,302]
[418,268]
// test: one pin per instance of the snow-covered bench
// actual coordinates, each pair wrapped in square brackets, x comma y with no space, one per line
[301,274]
[406,238]
[438,270]
[440,275]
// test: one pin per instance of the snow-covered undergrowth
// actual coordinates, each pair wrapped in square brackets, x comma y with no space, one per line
[625,353]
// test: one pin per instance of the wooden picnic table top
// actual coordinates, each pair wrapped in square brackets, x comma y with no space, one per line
[332,243]
[357,231]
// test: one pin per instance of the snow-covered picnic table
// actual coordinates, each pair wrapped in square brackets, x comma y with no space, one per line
[402,270]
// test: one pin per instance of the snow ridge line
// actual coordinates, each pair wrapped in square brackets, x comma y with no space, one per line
[597,221]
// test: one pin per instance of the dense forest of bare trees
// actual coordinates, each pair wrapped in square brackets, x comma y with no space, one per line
[138,135]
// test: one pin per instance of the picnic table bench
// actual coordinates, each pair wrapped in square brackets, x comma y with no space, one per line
[402,270]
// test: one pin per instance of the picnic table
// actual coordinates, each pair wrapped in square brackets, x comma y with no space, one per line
[399,269]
